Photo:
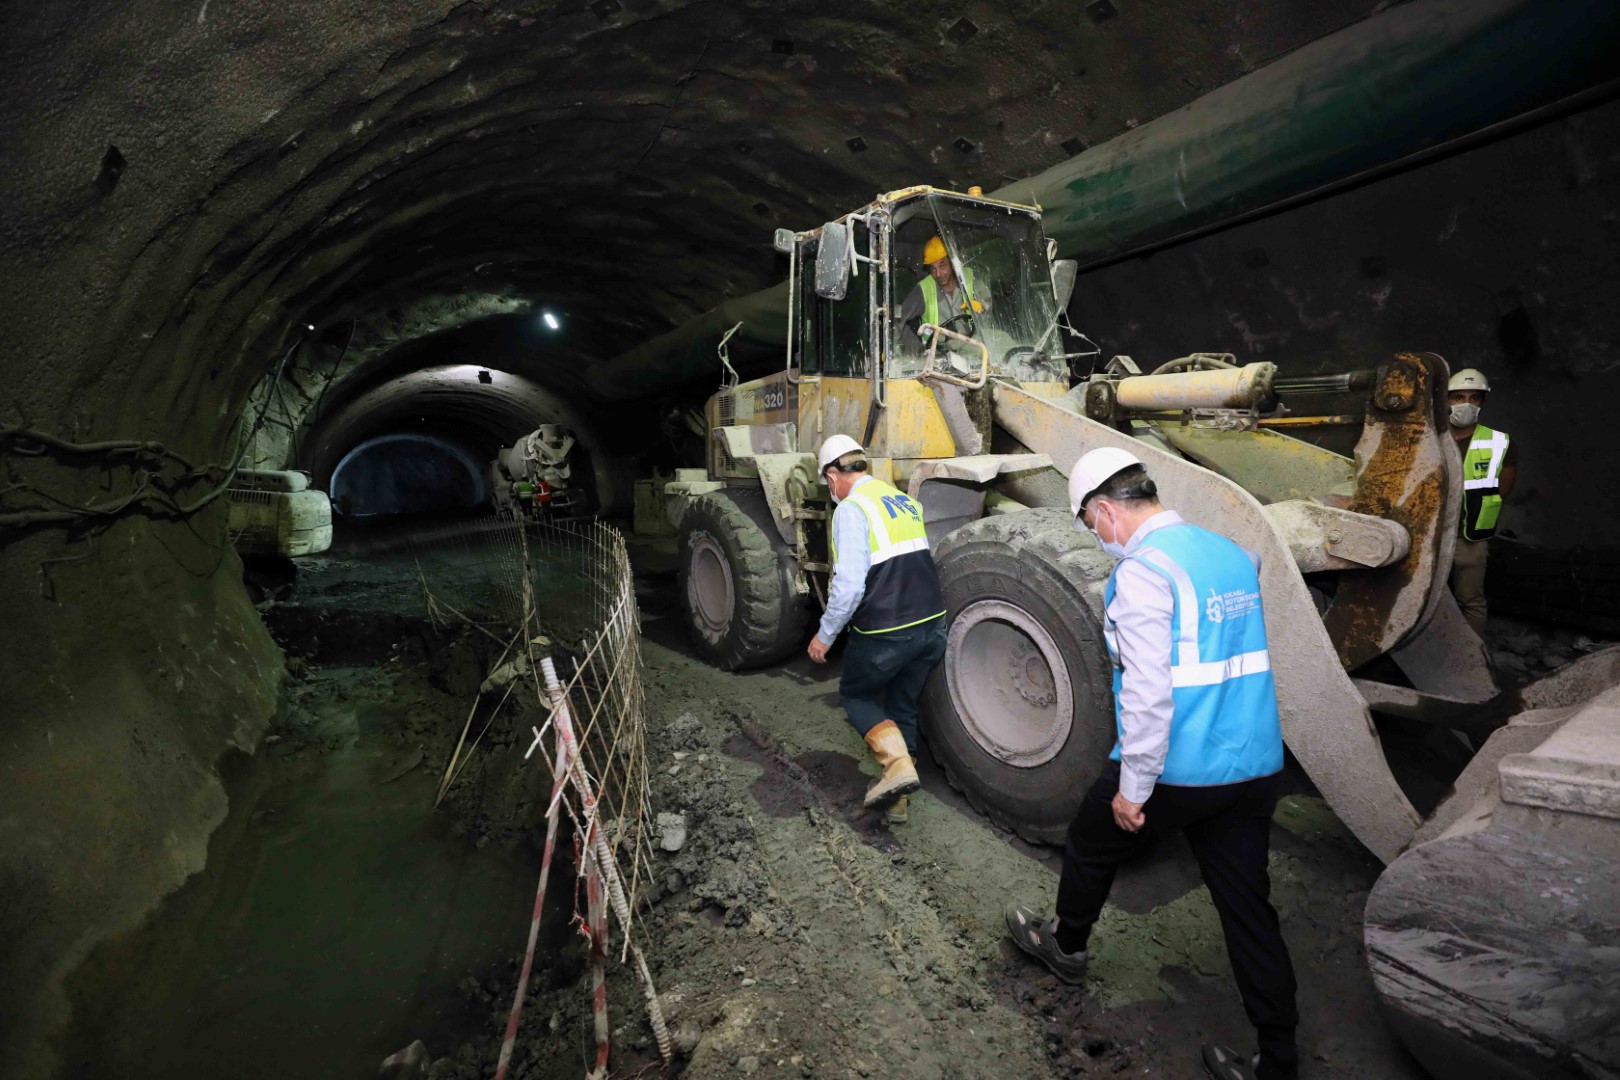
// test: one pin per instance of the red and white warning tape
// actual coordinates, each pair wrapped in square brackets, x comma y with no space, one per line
[560,770]
[603,886]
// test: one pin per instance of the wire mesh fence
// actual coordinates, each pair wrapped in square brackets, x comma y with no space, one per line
[475,571]
[560,598]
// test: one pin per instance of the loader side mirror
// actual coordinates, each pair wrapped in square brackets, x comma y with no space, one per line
[1064,271]
[833,261]
[783,241]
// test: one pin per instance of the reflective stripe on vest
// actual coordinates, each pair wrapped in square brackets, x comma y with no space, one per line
[1482,482]
[930,291]
[1225,727]
[902,586]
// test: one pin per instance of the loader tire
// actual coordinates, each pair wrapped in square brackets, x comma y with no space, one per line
[1020,712]
[737,582]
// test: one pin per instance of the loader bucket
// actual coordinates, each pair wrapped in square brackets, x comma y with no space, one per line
[1494,941]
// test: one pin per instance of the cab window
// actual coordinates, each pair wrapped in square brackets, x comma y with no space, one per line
[844,324]
[808,313]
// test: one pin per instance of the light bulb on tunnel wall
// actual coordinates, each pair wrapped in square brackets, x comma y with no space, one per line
[550,320]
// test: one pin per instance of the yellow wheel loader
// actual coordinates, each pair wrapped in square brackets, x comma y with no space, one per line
[1491,938]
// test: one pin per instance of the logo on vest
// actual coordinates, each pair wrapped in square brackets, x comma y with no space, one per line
[900,504]
[1230,605]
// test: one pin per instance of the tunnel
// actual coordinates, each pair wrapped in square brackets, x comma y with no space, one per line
[378,246]
[447,421]
[407,474]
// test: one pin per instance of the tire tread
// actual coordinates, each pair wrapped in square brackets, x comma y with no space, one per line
[1047,535]
[769,619]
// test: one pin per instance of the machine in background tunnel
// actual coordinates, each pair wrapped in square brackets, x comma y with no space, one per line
[443,439]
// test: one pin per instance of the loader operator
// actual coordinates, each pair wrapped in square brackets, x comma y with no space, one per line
[1200,747]
[936,298]
[1490,469]
[885,588]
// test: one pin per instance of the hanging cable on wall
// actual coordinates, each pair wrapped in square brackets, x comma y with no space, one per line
[151,493]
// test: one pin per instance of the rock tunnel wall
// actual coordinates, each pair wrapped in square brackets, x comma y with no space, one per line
[111,739]
[1502,258]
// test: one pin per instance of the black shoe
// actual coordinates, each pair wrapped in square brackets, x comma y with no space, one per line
[1038,937]
[1224,1063]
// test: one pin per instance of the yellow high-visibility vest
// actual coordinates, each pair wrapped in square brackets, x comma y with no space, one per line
[1482,482]
[930,291]
[902,586]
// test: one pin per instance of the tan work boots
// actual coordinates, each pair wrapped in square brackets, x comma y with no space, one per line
[900,810]
[899,771]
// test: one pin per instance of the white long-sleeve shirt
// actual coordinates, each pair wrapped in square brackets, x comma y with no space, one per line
[853,540]
[1143,611]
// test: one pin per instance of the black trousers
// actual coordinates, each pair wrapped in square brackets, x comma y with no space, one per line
[884,675]
[1229,829]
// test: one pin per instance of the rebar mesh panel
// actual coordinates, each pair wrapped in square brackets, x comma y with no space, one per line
[581,611]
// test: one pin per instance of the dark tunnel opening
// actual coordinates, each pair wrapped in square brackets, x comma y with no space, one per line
[408,473]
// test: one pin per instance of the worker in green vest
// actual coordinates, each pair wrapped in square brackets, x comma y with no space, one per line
[936,298]
[885,589]
[1490,469]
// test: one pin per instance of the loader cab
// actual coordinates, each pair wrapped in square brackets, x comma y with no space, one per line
[851,281]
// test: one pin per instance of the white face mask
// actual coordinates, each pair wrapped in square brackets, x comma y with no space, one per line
[834,491]
[1112,547]
[1464,415]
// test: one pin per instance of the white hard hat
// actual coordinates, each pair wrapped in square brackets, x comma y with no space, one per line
[836,447]
[1469,379]
[1093,470]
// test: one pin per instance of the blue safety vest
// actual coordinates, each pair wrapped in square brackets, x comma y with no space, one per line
[1225,728]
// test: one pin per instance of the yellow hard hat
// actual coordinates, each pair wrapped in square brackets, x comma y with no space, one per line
[933,251]
[1469,379]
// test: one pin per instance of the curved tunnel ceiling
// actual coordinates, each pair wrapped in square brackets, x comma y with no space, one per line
[453,399]
[219,175]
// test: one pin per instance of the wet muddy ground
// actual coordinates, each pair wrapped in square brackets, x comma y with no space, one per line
[868,950]
[793,935]
[339,915]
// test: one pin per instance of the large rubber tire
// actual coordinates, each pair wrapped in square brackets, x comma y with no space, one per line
[1020,713]
[737,582]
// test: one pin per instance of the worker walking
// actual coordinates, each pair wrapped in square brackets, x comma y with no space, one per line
[1490,469]
[885,588]
[1200,747]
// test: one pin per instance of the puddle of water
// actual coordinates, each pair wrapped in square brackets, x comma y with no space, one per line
[330,928]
